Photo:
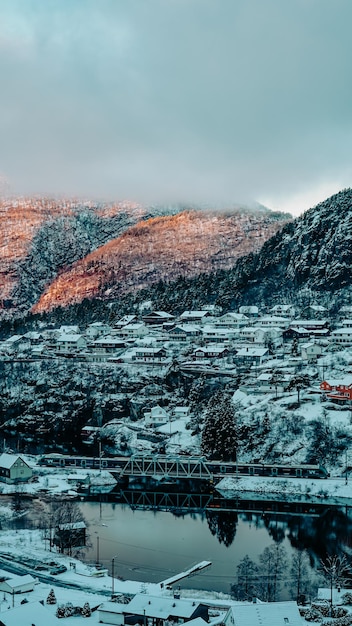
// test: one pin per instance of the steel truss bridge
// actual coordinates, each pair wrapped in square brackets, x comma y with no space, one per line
[167,467]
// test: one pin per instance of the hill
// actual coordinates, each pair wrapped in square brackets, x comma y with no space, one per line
[310,258]
[58,252]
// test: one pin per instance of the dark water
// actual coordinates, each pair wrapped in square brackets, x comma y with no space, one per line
[152,545]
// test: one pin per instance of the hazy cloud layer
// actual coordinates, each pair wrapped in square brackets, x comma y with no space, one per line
[154,100]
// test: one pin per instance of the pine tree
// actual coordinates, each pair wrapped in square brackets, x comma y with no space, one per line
[51,599]
[86,610]
[220,432]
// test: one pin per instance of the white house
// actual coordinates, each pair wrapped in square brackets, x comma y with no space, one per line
[252,334]
[287,310]
[184,332]
[71,342]
[194,316]
[17,584]
[249,311]
[232,320]
[310,351]
[342,336]
[14,469]
[269,321]
[263,614]
[157,416]
[218,334]
[131,331]
[97,329]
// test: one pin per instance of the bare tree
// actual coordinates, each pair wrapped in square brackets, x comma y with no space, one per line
[300,575]
[337,573]
[246,585]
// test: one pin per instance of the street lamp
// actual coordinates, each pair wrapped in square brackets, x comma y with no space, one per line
[113,576]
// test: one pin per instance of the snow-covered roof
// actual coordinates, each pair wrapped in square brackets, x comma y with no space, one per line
[252,351]
[7,460]
[266,614]
[160,606]
[29,614]
[69,337]
[18,581]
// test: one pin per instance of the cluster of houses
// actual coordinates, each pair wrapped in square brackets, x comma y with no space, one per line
[240,338]
[151,610]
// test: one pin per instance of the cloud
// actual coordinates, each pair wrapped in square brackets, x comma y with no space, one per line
[176,99]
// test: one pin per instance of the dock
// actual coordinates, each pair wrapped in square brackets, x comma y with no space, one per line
[192,571]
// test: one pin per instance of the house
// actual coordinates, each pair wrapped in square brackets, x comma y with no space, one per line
[97,329]
[286,310]
[249,311]
[211,352]
[184,332]
[310,324]
[342,336]
[13,344]
[251,356]
[232,320]
[181,411]
[263,614]
[310,351]
[134,330]
[153,610]
[154,356]
[70,342]
[192,317]
[297,332]
[315,310]
[346,323]
[252,334]
[123,321]
[33,337]
[14,469]
[157,318]
[268,382]
[339,391]
[273,321]
[218,334]
[17,584]
[29,614]
[107,345]
[157,416]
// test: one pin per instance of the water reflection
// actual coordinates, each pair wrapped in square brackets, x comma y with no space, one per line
[159,533]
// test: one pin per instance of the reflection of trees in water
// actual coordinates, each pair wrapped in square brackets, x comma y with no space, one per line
[327,534]
[223,525]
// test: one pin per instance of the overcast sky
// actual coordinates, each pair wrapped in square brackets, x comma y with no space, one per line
[208,101]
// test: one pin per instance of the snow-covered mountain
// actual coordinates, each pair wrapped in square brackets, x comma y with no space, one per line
[309,259]
[57,252]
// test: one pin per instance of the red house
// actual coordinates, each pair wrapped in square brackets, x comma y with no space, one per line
[339,391]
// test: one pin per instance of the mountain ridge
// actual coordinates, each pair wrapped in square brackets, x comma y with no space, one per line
[43,242]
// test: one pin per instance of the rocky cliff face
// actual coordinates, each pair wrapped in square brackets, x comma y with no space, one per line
[312,253]
[55,253]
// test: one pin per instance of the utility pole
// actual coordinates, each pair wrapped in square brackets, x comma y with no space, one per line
[113,577]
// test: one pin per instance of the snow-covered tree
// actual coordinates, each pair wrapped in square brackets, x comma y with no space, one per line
[220,432]
[51,599]
[86,610]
